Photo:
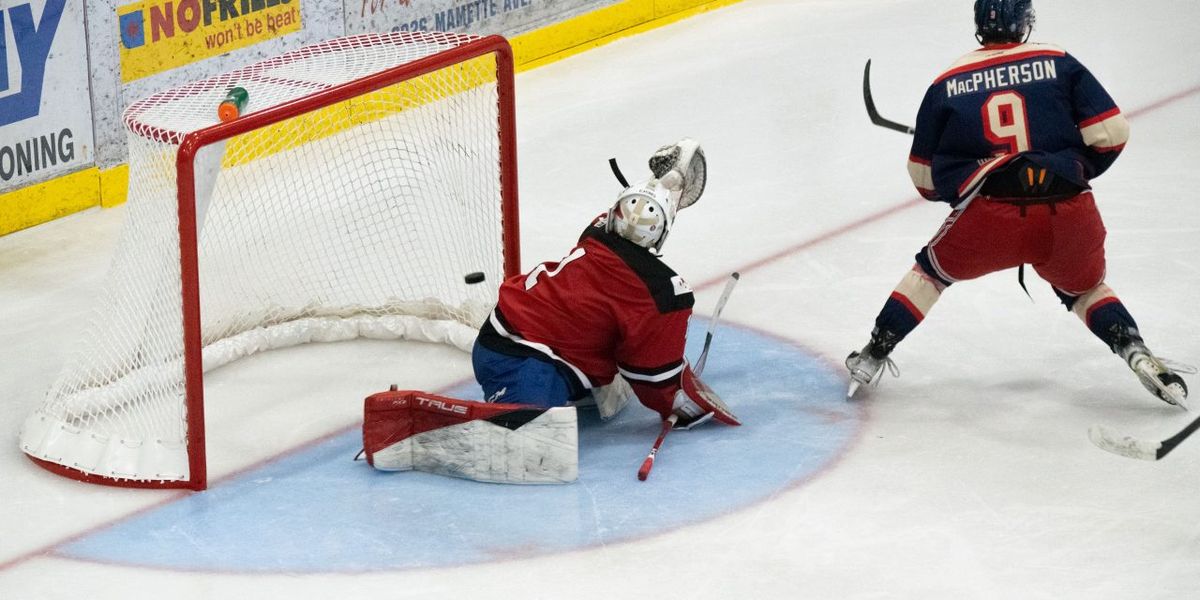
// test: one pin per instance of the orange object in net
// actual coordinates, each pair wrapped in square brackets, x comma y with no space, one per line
[228,111]
[233,105]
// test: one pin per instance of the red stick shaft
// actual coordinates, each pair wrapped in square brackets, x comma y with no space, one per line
[648,464]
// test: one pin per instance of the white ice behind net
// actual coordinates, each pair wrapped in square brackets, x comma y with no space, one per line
[356,221]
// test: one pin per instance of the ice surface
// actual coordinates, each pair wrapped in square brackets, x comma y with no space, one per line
[971,475]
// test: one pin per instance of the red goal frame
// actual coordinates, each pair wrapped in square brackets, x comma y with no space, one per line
[193,142]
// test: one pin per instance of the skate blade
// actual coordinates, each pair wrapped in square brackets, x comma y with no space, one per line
[1182,404]
[1148,373]
[1168,395]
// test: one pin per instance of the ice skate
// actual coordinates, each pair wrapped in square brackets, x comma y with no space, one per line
[1156,374]
[866,366]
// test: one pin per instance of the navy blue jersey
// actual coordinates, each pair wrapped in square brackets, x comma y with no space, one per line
[1004,101]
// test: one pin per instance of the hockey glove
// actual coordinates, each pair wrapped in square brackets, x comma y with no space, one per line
[1035,180]
[681,168]
[696,403]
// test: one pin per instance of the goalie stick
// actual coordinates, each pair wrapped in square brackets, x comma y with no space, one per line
[670,421]
[648,464]
[872,112]
[1111,440]
[712,323]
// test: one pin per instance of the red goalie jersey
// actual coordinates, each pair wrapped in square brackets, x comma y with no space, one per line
[609,306]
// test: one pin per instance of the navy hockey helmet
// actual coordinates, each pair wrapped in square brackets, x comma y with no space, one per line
[1000,21]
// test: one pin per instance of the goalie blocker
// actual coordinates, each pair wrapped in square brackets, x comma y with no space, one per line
[407,430]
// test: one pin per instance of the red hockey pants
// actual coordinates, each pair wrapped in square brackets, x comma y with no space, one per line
[1064,242]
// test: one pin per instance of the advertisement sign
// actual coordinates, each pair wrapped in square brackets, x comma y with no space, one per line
[159,35]
[140,47]
[45,106]
[506,17]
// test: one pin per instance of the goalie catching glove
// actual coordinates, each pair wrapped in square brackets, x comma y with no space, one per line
[681,168]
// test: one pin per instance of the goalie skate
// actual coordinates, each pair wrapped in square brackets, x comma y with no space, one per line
[1155,374]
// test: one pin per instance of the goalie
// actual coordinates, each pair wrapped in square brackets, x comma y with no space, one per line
[606,323]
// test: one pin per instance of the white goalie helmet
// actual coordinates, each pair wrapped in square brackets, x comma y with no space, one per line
[643,214]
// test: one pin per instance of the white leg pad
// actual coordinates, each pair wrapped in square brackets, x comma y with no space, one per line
[544,450]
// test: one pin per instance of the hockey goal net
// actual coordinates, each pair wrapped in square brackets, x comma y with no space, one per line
[366,177]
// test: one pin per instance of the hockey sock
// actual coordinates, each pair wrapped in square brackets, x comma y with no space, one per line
[912,299]
[1104,314]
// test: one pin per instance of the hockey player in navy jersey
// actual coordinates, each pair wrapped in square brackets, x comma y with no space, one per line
[1011,136]
[607,313]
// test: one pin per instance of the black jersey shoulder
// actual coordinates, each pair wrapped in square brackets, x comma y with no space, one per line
[668,289]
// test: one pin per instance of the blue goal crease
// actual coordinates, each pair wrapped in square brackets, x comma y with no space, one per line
[317,510]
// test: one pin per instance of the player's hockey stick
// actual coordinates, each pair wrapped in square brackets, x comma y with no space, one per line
[669,423]
[1112,441]
[612,164]
[874,114]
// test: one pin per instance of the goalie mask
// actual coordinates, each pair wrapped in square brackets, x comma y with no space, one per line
[643,214]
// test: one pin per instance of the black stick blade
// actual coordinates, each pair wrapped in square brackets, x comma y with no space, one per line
[612,163]
[872,112]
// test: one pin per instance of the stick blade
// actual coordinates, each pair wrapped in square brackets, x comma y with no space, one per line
[868,99]
[873,112]
[612,164]
[1110,440]
[867,86]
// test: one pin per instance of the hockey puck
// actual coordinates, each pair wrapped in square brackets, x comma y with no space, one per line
[475,277]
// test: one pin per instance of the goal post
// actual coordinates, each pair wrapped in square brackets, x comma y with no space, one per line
[367,176]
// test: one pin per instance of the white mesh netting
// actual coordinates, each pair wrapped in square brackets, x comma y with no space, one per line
[356,219]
